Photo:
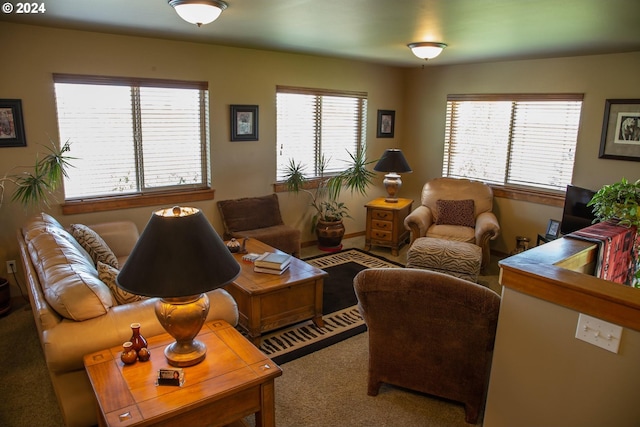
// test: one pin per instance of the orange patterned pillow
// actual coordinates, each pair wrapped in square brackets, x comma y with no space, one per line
[456,212]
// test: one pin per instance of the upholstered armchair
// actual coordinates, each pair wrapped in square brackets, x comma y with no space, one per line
[259,218]
[429,332]
[456,209]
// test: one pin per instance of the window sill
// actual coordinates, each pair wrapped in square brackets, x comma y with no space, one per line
[101,204]
[541,197]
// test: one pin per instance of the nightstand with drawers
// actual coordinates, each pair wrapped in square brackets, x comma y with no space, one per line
[385,224]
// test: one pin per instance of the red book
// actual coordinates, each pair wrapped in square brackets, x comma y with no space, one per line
[615,244]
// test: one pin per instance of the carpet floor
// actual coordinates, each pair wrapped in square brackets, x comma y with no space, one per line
[329,388]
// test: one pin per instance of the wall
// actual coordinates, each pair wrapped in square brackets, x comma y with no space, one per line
[246,76]
[235,76]
[598,77]
[542,376]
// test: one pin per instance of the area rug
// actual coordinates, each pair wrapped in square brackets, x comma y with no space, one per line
[340,312]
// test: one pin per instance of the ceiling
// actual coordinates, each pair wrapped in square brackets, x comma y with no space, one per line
[373,30]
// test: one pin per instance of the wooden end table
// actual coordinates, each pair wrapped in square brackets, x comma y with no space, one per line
[268,301]
[385,224]
[233,381]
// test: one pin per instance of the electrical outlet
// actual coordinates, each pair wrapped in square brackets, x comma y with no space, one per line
[11,266]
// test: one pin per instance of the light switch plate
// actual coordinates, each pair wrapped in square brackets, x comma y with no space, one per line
[599,333]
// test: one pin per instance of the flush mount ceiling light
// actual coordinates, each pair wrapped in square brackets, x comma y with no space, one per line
[426,50]
[198,12]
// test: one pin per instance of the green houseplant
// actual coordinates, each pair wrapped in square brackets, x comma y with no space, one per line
[36,187]
[621,201]
[324,193]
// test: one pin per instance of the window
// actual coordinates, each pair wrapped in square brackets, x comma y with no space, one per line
[312,123]
[133,136]
[512,140]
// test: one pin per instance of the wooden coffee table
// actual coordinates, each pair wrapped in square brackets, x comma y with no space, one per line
[233,381]
[267,301]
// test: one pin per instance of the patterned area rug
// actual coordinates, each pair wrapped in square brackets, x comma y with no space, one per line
[340,313]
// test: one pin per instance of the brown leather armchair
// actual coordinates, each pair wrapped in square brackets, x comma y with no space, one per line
[429,220]
[429,332]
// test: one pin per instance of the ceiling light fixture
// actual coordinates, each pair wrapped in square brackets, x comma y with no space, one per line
[426,50]
[198,12]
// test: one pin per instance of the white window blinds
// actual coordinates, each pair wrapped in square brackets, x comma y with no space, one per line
[516,140]
[132,136]
[312,123]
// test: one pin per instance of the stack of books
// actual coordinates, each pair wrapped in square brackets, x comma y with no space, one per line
[272,263]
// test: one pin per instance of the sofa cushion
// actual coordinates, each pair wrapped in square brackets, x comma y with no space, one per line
[94,245]
[108,274]
[44,223]
[250,213]
[456,212]
[68,278]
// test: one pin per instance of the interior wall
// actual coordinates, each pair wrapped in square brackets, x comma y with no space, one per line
[598,77]
[542,375]
[235,76]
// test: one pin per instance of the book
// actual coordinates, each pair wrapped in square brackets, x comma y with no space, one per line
[270,270]
[250,257]
[615,245]
[273,260]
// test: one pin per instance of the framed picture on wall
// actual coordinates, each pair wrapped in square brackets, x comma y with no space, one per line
[11,123]
[386,123]
[620,138]
[244,122]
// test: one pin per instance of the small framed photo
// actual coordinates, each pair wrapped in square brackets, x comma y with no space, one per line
[553,229]
[244,122]
[620,138]
[11,123]
[386,123]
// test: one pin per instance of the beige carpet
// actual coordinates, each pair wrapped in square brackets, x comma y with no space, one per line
[328,388]
[27,398]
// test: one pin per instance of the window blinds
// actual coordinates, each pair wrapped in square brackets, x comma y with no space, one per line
[517,140]
[129,136]
[313,123]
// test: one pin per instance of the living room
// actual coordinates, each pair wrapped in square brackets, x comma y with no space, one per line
[236,75]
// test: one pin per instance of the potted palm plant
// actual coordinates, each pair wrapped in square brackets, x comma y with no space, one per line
[37,186]
[324,193]
[621,201]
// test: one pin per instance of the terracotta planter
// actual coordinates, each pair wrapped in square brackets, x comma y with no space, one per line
[5,296]
[330,234]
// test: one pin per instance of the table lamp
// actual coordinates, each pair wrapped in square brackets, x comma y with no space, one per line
[179,257]
[393,162]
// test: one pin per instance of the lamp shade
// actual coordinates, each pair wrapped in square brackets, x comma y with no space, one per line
[198,12]
[392,160]
[178,254]
[426,50]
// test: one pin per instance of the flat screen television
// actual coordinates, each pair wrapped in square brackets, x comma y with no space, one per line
[576,214]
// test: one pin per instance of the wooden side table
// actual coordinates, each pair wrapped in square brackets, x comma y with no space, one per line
[232,382]
[385,224]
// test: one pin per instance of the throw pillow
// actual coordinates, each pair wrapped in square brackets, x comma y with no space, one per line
[94,245]
[456,212]
[108,274]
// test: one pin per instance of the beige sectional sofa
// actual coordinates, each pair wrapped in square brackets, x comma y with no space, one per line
[76,312]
